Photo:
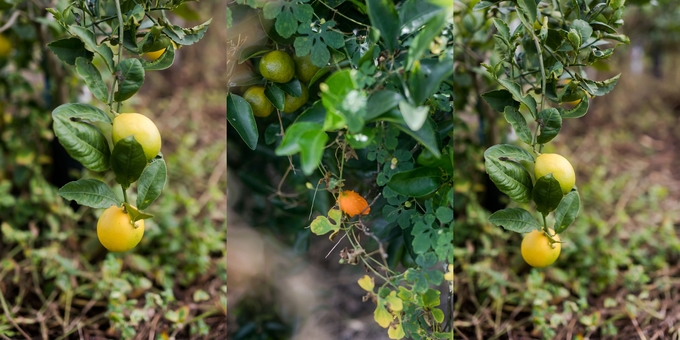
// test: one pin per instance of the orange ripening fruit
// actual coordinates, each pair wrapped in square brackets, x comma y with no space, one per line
[352,203]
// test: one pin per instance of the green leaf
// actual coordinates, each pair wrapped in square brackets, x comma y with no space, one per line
[583,28]
[240,116]
[186,36]
[547,194]
[417,182]
[438,315]
[422,41]
[92,193]
[90,41]
[315,114]
[83,141]
[550,122]
[431,298]
[252,51]
[70,49]
[136,214]
[528,8]
[127,161]
[132,73]
[444,214]
[515,219]
[340,97]
[92,78]
[312,144]
[499,99]
[600,88]
[322,225]
[413,14]
[384,17]
[482,5]
[315,41]
[516,119]
[380,102]
[502,29]
[511,178]
[293,87]
[567,211]
[382,316]
[163,62]
[151,183]
[276,96]
[414,117]
[577,112]
[435,71]
[514,89]
[290,144]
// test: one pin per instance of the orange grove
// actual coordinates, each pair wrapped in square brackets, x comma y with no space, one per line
[352,203]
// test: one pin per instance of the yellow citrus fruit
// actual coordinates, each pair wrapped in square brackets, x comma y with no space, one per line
[142,128]
[291,104]
[352,203]
[304,69]
[153,56]
[116,231]
[261,106]
[277,66]
[537,251]
[559,167]
[5,46]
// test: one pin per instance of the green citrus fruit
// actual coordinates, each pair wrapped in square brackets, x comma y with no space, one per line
[261,106]
[304,69]
[293,103]
[559,167]
[537,250]
[116,232]
[142,128]
[277,66]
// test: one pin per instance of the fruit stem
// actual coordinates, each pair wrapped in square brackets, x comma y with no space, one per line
[124,194]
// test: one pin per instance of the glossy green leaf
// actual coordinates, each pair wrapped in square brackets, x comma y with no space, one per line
[127,161]
[151,183]
[93,79]
[315,114]
[514,89]
[186,36]
[426,135]
[276,96]
[502,164]
[499,99]
[240,116]
[547,194]
[436,71]
[70,49]
[131,72]
[414,117]
[550,122]
[340,97]
[422,41]
[380,102]
[293,87]
[384,17]
[83,141]
[516,119]
[88,38]
[600,88]
[418,182]
[312,145]
[92,193]
[163,62]
[528,8]
[515,219]
[577,112]
[567,211]
[413,14]
[252,51]
[291,140]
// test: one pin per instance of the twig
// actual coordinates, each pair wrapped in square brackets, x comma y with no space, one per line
[9,317]
[336,244]
[10,22]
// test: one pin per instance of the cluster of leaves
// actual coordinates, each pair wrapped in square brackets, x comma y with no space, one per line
[385,103]
[94,29]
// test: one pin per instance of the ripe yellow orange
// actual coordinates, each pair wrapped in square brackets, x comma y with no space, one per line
[537,251]
[116,232]
[353,204]
[142,128]
[559,167]
[154,55]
